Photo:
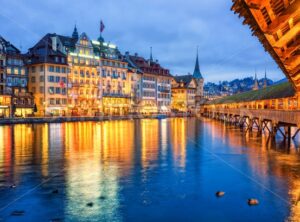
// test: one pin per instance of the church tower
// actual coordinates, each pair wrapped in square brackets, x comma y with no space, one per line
[265,79]
[199,79]
[255,86]
[75,33]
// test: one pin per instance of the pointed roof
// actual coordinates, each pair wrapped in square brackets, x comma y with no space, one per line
[255,86]
[197,74]
[151,57]
[185,79]
[75,33]
[265,79]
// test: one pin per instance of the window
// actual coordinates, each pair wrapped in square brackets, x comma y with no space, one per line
[57,90]
[41,68]
[33,69]
[57,69]
[51,90]
[41,78]
[41,89]
[57,78]
[64,79]
[63,70]
[33,89]
[33,79]
[50,78]
[51,68]
[64,91]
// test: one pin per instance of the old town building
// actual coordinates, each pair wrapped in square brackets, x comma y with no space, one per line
[48,70]
[155,85]
[183,93]
[116,80]
[15,100]
[187,91]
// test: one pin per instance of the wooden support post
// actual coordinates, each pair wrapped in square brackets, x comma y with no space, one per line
[283,134]
[295,134]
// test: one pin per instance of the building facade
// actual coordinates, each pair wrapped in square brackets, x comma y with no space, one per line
[187,91]
[48,71]
[184,93]
[153,88]
[15,99]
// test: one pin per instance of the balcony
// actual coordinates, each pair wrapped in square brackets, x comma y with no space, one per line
[23,94]
[5,92]
[116,95]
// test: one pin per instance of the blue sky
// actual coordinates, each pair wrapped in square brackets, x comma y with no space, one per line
[174,28]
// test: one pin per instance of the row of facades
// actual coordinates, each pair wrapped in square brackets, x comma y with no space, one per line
[77,76]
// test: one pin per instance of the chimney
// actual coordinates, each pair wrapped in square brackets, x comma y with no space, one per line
[54,43]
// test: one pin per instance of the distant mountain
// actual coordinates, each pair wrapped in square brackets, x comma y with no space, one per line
[280,81]
[232,87]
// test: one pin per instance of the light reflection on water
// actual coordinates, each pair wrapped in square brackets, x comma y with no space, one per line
[145,170]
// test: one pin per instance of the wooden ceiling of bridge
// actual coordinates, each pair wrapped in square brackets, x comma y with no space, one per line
[276,23]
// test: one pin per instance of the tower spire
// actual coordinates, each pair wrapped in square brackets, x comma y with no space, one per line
[75,33]
[197,74]
[151,57]
[255,86]
[265,79]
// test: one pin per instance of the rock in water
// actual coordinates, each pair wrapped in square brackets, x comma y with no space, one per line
[90,204]
[220,193]
[252,202]
[18,213]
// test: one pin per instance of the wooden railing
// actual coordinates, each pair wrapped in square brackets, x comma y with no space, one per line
[286,116]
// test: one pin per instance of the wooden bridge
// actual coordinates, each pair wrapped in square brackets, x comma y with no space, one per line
[276,23]
[263,120]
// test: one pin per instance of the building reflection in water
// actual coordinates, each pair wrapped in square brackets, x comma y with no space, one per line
[179,140]
[149,141]
[94,159]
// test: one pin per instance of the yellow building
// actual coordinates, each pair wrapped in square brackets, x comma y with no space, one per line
[184,93]
[115,78]
[84,80]
[48,71]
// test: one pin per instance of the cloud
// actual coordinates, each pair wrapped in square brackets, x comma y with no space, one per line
[173,28]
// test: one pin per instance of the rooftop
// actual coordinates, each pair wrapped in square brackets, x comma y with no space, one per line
[281,90]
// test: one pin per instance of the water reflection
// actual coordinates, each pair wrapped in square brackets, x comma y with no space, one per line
[143,170]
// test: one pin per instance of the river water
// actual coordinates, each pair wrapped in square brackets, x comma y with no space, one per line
[145,170]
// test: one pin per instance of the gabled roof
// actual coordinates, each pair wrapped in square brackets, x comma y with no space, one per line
[8,47]
[42,52]
[146,66]
[185,79]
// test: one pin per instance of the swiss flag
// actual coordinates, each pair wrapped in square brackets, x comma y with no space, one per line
[102,26]
[62,84]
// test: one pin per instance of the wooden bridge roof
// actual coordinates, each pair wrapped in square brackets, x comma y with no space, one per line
[276,23]
[282,90]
